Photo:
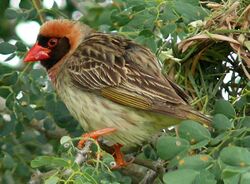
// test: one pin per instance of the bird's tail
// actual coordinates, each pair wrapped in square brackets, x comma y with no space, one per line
[183,112]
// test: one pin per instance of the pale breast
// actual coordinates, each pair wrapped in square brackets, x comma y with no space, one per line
[95,112]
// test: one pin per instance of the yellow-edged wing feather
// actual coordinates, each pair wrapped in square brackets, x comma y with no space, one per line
[124,98]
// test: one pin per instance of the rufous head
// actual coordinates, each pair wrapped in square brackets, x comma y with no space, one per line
[56,39]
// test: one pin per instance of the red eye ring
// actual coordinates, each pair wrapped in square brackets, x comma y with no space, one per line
[52,42]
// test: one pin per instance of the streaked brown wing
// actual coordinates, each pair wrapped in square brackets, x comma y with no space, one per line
[97,63]
[124,72]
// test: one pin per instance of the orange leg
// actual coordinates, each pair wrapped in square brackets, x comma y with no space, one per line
[119,157]
[95,135]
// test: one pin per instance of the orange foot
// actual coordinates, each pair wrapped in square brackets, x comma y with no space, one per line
[95,135]
[119,157]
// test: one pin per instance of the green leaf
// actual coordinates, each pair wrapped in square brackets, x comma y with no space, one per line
[7,127]
[179,176]
[80,180]
[150,43]
[48,123]
[107,158]
[193,131]
[7,48]
[21,47]
[23,170]
[60,114]
[232,175]
[240,103]
[36,74]
[40,114]
[235,156]
[224,107]
[35,90]
[191,2]
[168,29]
[4,91]
[49,161]
[65,139]
[169,14]
[189,12]
[230,171]
[200,144]
[245,178]
[173,163]
[218,139]
[215,169]
[238,132]
[168,147]
[5,69]
[10,100]
[245,122]
[29,14]
[8,177]
[25,4]
[244,142]
[149,153]
[119,20]
[139,7]
[8,161]
[10,57]
[52,180]
[205,177]
[9,79]
[146,33]
[145,20]
[11,13]
[221,123]
[28,112]
[196,162]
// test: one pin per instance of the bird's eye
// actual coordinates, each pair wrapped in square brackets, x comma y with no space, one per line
[52,42]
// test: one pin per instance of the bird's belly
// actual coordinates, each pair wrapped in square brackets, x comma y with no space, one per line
[95,112]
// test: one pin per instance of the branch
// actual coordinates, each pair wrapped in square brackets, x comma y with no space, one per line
[139,167]
[81,157]
[149,177]
[37,6]
[2,104]
[156,166]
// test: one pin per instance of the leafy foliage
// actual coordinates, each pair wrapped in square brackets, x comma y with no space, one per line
[34,122]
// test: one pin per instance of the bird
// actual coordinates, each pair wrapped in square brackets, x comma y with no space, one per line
[110,84]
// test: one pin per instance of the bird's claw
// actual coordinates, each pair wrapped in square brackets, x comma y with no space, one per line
[118,155]
[94,135]
[119,158]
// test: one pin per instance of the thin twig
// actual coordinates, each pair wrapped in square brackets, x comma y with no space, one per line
[81,157]
[156,166]
[149,177]
[37,6]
